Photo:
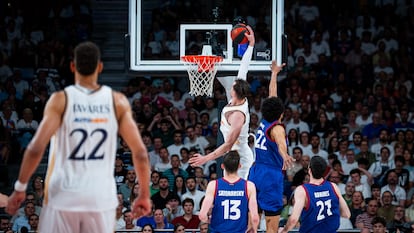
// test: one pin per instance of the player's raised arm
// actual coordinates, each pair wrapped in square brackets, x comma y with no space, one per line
[34,152]
[273,79]
[130,134]
[247,56]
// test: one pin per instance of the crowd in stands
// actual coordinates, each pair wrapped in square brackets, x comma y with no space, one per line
[348,96]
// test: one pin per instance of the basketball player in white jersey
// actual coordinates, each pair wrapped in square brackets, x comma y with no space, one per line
[82,123]
[235,117]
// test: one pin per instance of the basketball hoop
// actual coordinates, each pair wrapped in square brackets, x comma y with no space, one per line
[201,71]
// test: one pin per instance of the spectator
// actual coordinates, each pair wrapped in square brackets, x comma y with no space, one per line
[387,208]
[365,188]
[379,168]
[179,186]
[161,197]
[120,172]
[185,156]
[175,147]
[355,144]
[365,153]
[297,123]
[379,225]
[4,223]
[316,148]
[173,208]
[357,206]
[27,123]
[188,219]
[126,187]
[364,220]
[161,221]
[179,228]
[30,197]
[405,178]
[399,194]
[297,155]
[38,189]
[34,222]
[147,228]
[119,216]
[336,177]
[174,171]
[350,162]
[134,193]
[155,178]
[194,141]
[383,138]
[23,220]
[372,130]
[164,163]
[349,190]
[399,223]
[193,193]
[128,218]
[409,211]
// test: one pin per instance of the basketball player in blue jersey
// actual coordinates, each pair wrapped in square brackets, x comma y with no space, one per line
[82,123]
[271,156]
[232,199]
[318,204]
[235,117]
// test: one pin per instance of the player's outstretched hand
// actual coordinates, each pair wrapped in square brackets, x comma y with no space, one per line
[197,160]
[3,200]
[141,207]
[288,162]
[14,202]
[250,35]
[251,229]
[275,68]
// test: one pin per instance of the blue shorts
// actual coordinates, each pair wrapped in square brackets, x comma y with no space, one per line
[269,186]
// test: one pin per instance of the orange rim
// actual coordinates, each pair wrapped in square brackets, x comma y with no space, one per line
[201,58]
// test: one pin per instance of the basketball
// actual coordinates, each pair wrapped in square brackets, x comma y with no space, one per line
[237,34]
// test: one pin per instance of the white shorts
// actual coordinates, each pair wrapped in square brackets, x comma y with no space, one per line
[53,221]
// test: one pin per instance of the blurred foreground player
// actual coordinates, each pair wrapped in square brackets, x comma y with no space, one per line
[318,204]
[82,123]
[232,200]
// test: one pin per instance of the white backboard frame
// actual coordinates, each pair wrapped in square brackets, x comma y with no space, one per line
[140,65]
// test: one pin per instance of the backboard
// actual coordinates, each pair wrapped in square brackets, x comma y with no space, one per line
[161,31]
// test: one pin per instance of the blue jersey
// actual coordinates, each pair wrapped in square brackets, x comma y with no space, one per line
[321,214]
[231,207]
[267,151]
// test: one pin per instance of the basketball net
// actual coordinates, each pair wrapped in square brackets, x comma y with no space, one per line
[201,71]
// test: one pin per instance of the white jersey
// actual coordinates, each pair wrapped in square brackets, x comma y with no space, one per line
[241,145]
[80,174]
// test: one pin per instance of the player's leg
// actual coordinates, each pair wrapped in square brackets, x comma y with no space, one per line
[99,222]
[272,221]
[52,221]
[246,161]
